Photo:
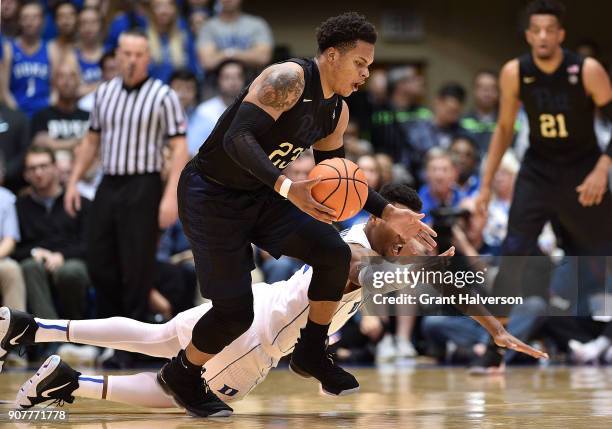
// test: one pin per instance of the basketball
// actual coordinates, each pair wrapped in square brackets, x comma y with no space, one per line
[343,186]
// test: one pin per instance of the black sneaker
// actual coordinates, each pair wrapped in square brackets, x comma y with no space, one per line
[54,381]
[315,362]
[490,363]
[191,392]
[16,329]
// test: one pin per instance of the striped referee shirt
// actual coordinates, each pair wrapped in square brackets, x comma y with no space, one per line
[135,124]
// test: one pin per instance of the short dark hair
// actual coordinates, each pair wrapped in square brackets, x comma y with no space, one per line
[400,193]
[545,7]
[35,150]
[62,3]
[105,57]
[454,90]
[183,74]
[227,62]
[343,31]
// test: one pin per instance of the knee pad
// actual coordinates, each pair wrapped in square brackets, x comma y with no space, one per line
[330,264]
[223,323]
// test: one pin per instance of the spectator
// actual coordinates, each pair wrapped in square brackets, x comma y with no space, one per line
[14,141]
[234,35]
[65,15]
[61,126]
[230,81]
[134,16]
[499,208]
[481,120]
[440,189]
[439,131]
[110,70]
[171,46]
[9,18]
[185,84]
[371,168]
[391,122]
[197,12]
[353,145]
[29,60]
[464,152]
[12,286]
[52,247]
[89,50]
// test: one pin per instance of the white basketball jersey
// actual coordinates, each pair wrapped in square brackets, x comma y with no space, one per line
[281,310]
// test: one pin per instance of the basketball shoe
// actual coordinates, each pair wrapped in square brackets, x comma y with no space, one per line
[54,381]
[16,329]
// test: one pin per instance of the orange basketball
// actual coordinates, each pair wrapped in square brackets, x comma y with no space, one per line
[343,186]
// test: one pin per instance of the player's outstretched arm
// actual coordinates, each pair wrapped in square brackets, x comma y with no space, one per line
[502,136]
[597,84]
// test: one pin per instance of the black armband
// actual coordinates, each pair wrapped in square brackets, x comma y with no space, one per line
[322,155]
[240,143]
[606,110]
[375,204]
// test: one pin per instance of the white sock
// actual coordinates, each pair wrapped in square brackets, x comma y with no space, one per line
[139,389]
[90,386]
[50,331]
[120,333]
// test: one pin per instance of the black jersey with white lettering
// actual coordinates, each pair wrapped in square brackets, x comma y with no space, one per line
[561,113]
[312,118]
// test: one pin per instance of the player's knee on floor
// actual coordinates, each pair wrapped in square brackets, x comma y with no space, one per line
[223,323]
[330,271]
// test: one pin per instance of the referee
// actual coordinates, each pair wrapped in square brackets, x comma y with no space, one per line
[133,118]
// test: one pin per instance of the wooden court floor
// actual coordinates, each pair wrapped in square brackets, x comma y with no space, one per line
[391,397]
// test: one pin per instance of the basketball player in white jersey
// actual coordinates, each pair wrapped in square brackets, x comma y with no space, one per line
[281,309]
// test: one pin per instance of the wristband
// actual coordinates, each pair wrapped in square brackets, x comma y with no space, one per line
[284,188]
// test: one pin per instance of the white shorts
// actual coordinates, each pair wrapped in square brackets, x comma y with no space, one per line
[238,368]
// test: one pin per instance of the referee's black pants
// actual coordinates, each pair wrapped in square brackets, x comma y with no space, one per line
[547,192]
[122,243]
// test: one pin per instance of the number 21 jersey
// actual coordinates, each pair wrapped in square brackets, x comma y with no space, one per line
[561,113]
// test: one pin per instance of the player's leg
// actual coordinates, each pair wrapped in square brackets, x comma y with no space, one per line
[216,221]
[18,329]
[57,381]
[282,229]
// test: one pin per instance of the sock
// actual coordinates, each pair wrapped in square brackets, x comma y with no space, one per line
[90,386]
[50,331]
[138,389]
[189,367]
[314,333]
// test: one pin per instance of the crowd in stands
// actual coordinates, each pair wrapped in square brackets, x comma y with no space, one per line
[55,54]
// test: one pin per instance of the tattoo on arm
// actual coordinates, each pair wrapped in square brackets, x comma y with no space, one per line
[281,89]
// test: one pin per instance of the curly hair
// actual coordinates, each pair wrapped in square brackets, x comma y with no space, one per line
[343,31]
[402,194]
[545,7]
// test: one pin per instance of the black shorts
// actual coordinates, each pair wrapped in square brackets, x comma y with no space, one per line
[221,223]
[547,192]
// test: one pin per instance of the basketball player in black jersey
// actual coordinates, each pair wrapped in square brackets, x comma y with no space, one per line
[563,176]
[233,193]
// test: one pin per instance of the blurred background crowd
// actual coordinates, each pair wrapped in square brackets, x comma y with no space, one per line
[420,121]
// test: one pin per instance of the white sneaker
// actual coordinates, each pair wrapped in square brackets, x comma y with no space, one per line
[78,355]
[385,350]
[588,352]
[405,349]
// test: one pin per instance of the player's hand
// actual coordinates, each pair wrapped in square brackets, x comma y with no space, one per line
[371,327]
[300,194]
[482,200]
[408,225]
[72,200]
[506,340]
[593,188]
[168,211]
[450,252]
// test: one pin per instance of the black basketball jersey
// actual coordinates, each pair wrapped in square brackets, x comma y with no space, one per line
[312,118]
[561,113]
